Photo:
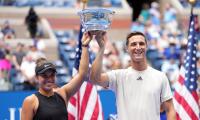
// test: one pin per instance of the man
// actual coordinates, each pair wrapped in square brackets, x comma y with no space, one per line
[139,89]
[18,56]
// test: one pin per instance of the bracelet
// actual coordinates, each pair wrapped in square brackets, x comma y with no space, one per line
[84,45]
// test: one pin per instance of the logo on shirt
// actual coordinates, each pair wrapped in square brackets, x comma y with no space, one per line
[139,78]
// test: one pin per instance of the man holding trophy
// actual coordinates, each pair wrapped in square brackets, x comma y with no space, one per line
[140,89]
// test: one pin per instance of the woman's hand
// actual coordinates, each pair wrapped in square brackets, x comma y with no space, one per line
[86,39]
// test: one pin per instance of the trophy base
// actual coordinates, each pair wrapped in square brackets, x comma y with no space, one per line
[94,32]
[96,27]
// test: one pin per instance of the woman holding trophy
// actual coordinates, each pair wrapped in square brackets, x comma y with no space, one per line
[50,103]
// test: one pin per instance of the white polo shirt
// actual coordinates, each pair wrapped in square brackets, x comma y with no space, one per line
[139,93]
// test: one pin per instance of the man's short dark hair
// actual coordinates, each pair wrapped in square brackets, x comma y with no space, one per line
[134,34]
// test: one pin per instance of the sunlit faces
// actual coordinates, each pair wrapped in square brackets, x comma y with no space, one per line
[47,79]
[137,48]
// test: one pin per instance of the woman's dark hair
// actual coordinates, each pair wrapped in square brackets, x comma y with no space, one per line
[134,34]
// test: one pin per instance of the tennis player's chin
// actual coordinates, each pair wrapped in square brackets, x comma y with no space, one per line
[138,58]
[48,87]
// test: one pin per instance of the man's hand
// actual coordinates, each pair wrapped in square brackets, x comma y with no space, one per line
[101,38]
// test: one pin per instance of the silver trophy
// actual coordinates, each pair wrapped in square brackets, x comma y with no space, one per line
[94,20]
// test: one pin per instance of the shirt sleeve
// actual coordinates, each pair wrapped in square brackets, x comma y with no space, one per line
[166,92]
[112,76]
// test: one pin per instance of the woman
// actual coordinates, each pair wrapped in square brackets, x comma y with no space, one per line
[49,103]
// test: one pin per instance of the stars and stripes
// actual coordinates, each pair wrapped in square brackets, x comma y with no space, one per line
[85,104]
[185,95]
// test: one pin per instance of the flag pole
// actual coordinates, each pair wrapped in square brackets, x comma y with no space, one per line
[83,7]
[192,3]
[84,3]
[79,46]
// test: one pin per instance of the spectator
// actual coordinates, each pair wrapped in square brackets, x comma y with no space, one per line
[6,62]
[152,30]
[7,31]
[28,72]
[144,15]
[171,68]
[155,13]
[173,51]
[169,19]
[2,49]
[18,56]
[2,54]
[111,61]
[1,35]
[35,53]
[136,7]
[31,21]
[5,67]
[137,26]
[40,44]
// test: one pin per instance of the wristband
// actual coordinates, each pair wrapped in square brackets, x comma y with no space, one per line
[84,45]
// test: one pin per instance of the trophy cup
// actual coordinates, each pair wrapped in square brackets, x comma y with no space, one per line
[94,20]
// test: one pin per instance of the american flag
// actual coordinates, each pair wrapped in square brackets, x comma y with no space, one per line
[85,104]
[185,95]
